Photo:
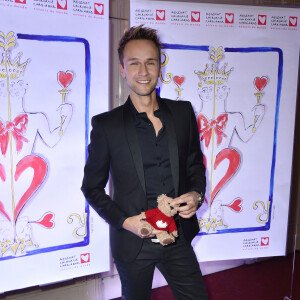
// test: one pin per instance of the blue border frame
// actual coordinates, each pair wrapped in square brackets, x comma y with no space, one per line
[67,39]
[279,87]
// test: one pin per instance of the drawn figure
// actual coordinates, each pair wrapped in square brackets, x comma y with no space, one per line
[216,127]
[19,130]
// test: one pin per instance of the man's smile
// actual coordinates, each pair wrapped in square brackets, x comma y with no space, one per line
[143,81]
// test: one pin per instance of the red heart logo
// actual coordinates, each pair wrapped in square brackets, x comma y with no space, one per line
[39,167]
[47,220]
[179,80]
[234,160]
[85,258]
[64,78]
[260,82]
[236,205]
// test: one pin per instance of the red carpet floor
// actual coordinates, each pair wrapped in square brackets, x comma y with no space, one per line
[267,280]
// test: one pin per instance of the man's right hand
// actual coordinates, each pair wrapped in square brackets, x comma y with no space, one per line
[133,224]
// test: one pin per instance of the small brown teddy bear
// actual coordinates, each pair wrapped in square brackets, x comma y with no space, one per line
[160,218]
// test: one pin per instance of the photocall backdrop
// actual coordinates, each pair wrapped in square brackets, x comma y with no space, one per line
[238,66]
[53,78]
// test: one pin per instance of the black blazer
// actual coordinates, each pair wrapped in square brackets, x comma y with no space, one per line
[114,149]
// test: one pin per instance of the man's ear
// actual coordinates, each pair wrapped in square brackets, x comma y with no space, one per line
[121,70]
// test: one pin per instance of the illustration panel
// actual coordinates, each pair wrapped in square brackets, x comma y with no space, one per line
[54,61]
[38,96]
[231,96]
[238,66]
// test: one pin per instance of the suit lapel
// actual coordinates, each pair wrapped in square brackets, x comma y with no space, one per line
[133,143]
[172,143]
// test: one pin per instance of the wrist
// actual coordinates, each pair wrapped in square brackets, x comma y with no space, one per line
[198,198]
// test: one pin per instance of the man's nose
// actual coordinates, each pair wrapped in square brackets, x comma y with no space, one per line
[143,70]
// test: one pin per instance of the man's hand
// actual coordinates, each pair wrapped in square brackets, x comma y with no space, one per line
[133,224]
[188,210]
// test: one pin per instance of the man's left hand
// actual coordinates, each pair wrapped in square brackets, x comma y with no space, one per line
[188,210]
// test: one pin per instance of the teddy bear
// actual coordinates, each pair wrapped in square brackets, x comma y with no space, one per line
[160,218]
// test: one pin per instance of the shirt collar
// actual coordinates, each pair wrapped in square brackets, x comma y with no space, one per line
[136,114]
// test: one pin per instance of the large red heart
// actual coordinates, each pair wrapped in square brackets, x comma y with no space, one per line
[64,78]
[3,177]
[2,173]
[234,160]
[179,80]
[39,167]
[3,211]
[46,220]
[260,82]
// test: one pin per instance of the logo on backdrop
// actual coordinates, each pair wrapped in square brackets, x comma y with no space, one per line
[262,20]
[160,15]
[85,258]
[62,4]
[229,18]
[264,241]
[293,21]
[195,16]
[98,9]
[20,1]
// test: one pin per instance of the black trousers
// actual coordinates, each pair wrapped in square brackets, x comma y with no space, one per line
[178,264]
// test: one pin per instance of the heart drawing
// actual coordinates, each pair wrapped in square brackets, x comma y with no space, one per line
[39,167]
[236,205]
[260,82]
[47,220]
[65,78]
[234,161]
[179,80]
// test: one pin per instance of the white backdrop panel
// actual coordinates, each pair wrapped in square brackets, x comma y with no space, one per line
[238,65]
[48,94]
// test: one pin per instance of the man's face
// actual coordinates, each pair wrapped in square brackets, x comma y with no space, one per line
[141,67]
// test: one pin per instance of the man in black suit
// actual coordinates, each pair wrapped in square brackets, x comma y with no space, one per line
[150,146]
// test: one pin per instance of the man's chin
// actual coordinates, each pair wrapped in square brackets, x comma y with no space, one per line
[144,93]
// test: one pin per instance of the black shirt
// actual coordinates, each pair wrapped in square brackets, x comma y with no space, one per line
[155,155]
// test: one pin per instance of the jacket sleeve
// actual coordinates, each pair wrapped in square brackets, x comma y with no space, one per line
[96,173]
[195,169]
